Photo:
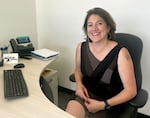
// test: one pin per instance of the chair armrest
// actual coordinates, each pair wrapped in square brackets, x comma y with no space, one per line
[72,78]
[140,99]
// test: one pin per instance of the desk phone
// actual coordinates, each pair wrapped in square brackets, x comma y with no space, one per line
[22,46]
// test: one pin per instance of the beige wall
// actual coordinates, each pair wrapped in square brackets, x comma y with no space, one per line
[17,18]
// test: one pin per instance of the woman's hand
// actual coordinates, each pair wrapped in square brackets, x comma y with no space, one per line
[81,91]
[94,106]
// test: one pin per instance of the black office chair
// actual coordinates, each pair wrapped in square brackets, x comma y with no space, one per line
[135,46]
[46,89]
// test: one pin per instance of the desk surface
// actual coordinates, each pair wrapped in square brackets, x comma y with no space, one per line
[36,105]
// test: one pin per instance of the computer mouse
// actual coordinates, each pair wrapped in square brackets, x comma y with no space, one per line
[19,65]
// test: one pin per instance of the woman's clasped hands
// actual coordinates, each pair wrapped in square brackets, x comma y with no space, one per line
[91,104]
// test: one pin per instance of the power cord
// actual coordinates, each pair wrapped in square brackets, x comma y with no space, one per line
[4,48]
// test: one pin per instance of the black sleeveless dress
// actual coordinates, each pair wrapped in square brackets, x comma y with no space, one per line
[102,80]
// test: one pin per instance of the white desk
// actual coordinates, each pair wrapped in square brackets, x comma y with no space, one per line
[36,105]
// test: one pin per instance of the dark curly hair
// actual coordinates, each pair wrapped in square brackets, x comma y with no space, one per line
[106,17]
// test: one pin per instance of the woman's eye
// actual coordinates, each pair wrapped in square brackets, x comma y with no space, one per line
[100,23]
[89,25]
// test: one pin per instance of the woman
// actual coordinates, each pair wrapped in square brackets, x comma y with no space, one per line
[104,72]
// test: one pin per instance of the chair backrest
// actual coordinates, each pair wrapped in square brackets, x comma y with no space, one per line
[135,46]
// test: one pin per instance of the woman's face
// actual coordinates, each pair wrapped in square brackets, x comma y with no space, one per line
[97,29]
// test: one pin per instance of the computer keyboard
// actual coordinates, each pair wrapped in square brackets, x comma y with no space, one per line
[14,84]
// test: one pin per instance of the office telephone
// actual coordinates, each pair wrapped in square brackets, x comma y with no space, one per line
[22,46]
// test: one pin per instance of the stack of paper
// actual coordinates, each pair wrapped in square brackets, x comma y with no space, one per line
[44,54]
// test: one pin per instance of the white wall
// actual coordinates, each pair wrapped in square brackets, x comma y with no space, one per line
[60,28]
[17,18]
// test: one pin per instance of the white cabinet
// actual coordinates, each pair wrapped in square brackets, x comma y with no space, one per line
[50,76]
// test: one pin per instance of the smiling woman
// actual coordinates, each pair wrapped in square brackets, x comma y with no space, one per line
[104,72]
[102,19]
[62,23]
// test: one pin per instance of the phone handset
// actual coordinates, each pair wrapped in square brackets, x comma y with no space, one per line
[14,45]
